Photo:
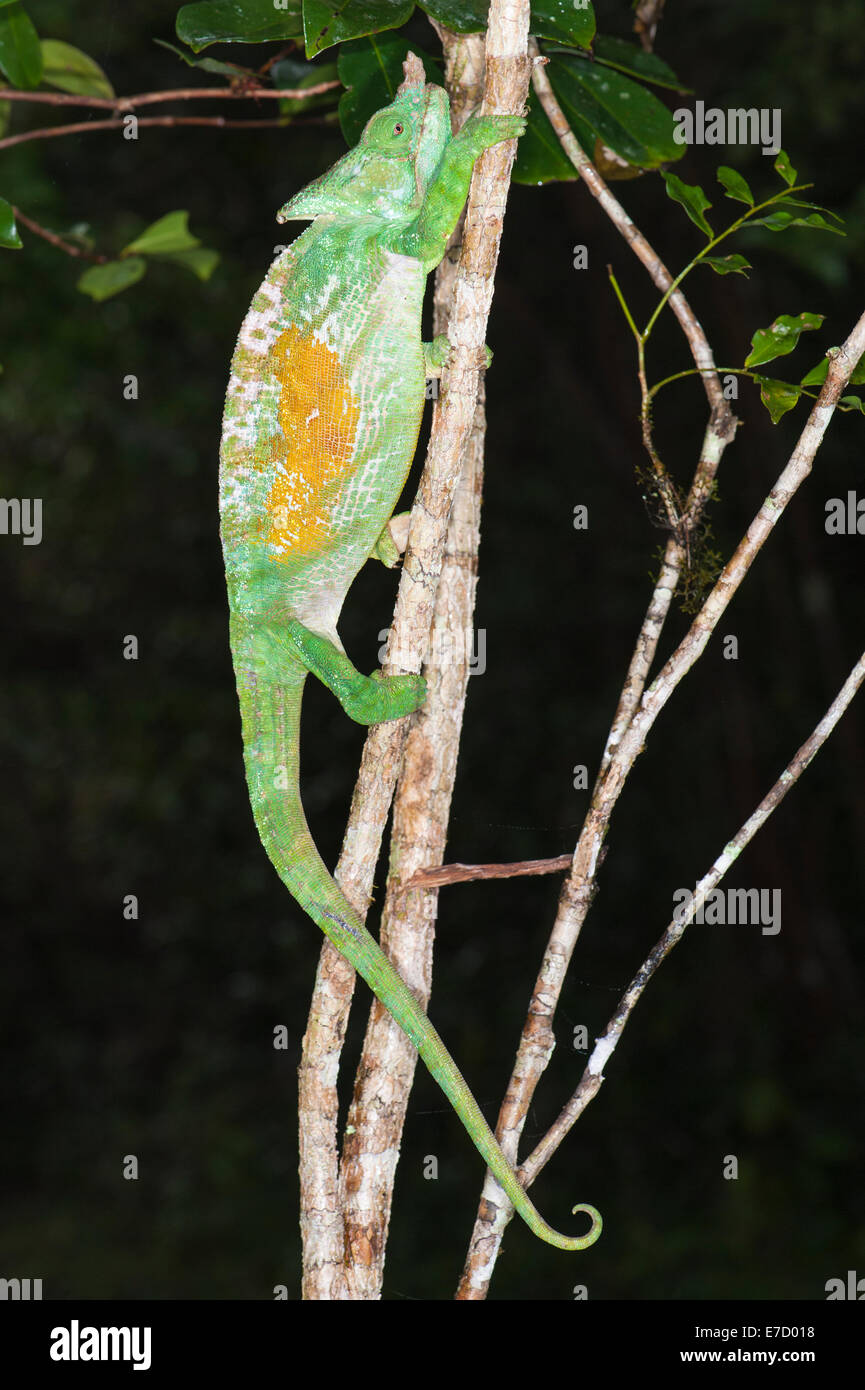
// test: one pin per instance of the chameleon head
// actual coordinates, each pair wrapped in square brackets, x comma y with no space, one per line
[390,168]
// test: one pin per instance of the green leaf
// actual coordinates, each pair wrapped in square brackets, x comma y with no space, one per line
[777,396]
[462,16]
[788,202]
[201,260]
[854,403]
[8,231]
[692,198]
[775,221]
[618,53]
[205,64]
[622,114]
[370,69]
[237,21]
[780,337]
[779,222]
[20,53]
[73,71]
[5,113]
[815,220]
[727,265]
[164,237]
[817,375]
[102,281]
[563,21]
[735,185]
[326,22]
[785,168]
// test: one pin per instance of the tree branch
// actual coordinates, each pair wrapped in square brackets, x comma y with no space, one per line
[593,1077]
[422,802]
[69,247]
[468,873]
[536,1044]
[218,122]
[176,94]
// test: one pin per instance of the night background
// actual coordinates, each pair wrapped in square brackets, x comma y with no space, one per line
[153,1036]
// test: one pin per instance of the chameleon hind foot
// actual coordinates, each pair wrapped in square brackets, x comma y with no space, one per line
[376,698]
[365,699]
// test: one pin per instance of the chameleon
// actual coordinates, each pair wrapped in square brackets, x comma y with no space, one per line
[321,421]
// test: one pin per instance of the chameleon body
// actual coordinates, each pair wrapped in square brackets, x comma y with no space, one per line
[320,427]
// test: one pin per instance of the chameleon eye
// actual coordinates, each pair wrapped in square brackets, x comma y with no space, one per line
[398,128]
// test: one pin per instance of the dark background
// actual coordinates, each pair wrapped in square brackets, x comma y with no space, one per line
[153,1037]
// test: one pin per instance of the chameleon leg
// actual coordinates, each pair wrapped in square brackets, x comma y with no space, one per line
[365,699]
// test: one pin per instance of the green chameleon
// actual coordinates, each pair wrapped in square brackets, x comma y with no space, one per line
[321,423]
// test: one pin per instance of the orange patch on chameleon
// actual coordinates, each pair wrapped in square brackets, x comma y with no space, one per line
[318,414]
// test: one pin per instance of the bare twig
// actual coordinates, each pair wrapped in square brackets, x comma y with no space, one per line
[242,93]
[647,17]
[218,122]
[593,1076]
[68,246]
[468,873]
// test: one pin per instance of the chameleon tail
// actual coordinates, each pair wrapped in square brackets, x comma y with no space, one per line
[271,718]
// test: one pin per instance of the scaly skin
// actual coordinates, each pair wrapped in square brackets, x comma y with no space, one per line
[321,423]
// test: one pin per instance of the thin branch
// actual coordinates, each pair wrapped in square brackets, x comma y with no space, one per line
[593,1076]
[468,873]
[176,94]
[220,122]
[69,247]
[720,429]
[658,272]
[647,17]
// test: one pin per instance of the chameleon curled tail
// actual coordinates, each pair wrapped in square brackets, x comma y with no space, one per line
[270,710]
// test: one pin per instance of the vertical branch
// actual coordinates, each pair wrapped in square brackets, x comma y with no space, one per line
[507,77]
[421,805]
